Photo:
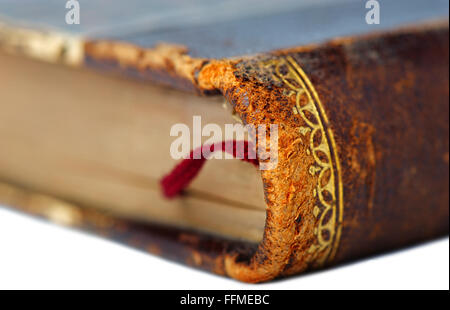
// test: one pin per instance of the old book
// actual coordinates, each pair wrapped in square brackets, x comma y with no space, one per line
[363,151]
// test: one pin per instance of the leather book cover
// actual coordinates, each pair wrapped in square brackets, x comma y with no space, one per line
[363,157]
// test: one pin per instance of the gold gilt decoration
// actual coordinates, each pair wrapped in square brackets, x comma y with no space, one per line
[328,193]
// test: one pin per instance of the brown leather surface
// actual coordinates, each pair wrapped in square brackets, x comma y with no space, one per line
[387,101]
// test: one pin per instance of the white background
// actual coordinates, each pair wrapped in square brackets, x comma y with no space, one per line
[39,255]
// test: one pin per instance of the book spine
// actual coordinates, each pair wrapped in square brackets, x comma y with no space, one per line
[363,150]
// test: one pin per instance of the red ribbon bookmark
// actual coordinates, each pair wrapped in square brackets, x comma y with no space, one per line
[182,174]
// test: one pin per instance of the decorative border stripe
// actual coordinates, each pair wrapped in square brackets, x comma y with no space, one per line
[328,192]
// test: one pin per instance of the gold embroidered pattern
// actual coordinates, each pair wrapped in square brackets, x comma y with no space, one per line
[328,207]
